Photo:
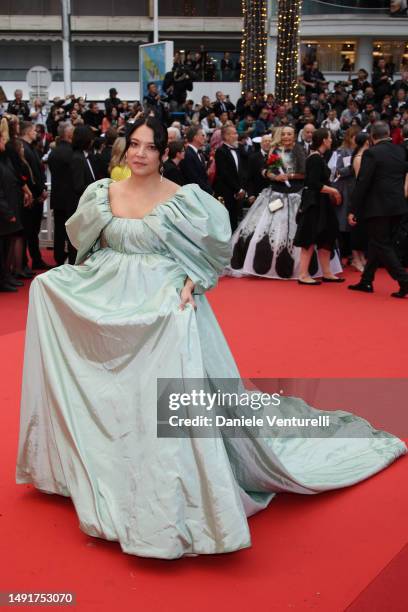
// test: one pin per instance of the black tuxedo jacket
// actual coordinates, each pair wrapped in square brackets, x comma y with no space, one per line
[218,107]
[228,179]
[59,163]
[173,172]
[194,170]
[81,176]
[256,182]
[379,190]
[36,183]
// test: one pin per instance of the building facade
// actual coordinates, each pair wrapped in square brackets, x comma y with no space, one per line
[344,35]
[105,37]
[106,34]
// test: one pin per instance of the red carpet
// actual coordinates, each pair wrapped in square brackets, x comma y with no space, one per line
[338,550]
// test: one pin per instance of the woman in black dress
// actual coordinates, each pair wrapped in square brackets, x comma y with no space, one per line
[316,218]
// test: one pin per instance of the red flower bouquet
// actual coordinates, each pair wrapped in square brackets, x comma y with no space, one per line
[274,162]
[275,165]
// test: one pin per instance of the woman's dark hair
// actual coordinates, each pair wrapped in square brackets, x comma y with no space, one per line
[318,137]
[82,138]
[159,133]
[360,139]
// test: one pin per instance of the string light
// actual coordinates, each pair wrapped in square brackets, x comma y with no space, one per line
[253,46]
[287,57]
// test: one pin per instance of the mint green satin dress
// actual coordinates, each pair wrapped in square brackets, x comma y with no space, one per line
[99,333]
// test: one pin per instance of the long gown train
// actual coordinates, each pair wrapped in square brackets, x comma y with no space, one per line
[262,244]
[98,335]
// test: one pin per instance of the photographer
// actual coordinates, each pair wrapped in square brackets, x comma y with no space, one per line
[112,102]
[176,84]
[55,117]
[382,80]
[153,102]
[18,107]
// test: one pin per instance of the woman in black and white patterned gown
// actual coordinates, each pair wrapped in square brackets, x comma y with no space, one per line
[263,242]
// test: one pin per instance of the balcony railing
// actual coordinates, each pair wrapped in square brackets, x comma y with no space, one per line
[114,75]
[336,7]
[121,8]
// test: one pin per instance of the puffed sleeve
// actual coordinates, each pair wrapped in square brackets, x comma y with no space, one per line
[91,217]
[196,230]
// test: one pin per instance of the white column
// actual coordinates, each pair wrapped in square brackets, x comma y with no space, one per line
[365,55]
[155,21]
[271,50]
[66,45]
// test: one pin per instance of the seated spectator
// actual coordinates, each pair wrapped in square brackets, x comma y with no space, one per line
[386,108]
[173,134]
[332,123]
[206,107]
[210,123]
[401,100]
[75,118]
[93,117]
[271,105]
[396,130]
[365,115]
[188,109]
[262,124]
[246,126]
[223,104]
[401,83]
[307,117]
[246,105]
[349,113]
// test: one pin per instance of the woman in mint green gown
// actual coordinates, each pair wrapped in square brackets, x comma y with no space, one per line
[100,333]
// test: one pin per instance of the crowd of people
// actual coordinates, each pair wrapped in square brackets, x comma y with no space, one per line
[256,156]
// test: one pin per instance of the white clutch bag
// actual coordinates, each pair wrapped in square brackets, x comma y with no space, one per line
[275,205]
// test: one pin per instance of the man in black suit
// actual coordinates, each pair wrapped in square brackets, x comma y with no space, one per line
[32,215]
[229,179]
[256,181]
[222,104]
[194,165]
[59,163]
[305,137]
[379,200]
